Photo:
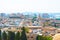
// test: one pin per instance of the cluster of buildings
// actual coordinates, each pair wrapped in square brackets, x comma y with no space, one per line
[33,19]
[18,19]
[41,24]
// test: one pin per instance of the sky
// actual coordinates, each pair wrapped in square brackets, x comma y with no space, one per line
[42,6]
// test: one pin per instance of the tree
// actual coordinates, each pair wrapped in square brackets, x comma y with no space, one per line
[23,34]
[4,36]
[26,29]
[48,37]
[0,35]
[39,37]
[11,35]
[17,36]
[43,37]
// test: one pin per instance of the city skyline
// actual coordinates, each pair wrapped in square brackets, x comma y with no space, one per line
[50,15]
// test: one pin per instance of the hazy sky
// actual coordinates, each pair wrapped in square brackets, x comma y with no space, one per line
[9,6]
